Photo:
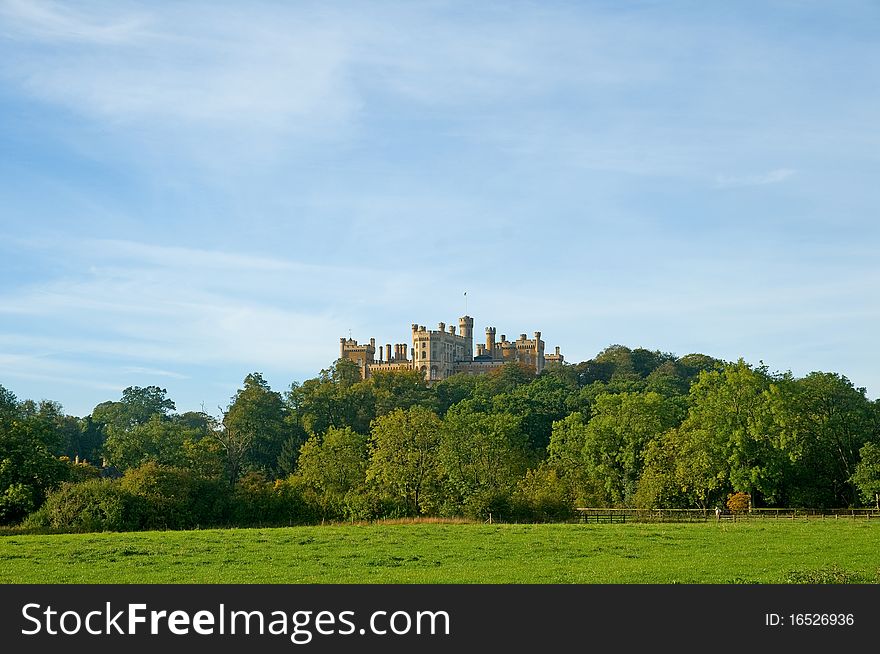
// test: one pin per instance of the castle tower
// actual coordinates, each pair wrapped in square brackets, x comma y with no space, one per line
[490,341]
[539,353]
[466,329]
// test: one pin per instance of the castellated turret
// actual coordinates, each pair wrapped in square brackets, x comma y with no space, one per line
[490,341]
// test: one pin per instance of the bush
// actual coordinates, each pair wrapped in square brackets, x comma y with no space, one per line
[173,498]
[541,496]
[254,502]
[93,505]
[258,502]
[739,502]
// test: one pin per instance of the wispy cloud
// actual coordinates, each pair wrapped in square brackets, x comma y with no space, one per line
[153,372]
[199,82]
[53,22]
[187,306]
[771,177]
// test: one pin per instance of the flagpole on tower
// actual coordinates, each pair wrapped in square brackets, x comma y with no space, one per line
[465,303]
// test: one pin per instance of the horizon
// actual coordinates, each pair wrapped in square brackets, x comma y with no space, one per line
[194,193]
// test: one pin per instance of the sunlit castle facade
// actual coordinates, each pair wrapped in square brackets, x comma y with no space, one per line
[444,352]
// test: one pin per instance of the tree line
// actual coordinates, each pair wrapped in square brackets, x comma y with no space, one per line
[628,428]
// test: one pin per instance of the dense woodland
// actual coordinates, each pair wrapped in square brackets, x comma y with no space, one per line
[628,428]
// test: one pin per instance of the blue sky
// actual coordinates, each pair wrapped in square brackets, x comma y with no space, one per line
[193,191]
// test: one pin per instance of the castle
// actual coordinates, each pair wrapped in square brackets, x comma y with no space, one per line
[441,353]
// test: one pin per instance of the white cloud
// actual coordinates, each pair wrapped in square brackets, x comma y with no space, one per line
[153,372]
[54,22]
[771,177]
[213,85]
[179,307]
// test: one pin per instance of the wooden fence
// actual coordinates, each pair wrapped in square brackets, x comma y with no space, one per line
[600,515]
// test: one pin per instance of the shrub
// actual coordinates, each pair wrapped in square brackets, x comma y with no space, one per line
[93,505]
[739,502]
[541,496]
[254,502]
[173,498]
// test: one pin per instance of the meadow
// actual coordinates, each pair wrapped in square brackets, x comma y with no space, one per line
[789,551]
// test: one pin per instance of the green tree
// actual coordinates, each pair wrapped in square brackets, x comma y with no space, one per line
[537,404]
[399,390]
[336,398]
[159,440]
[29,465]
[729,440]
[136,407]
[454,389]
[174,498]
[566,457]
[541,495]
[332,469]
[404,463]
[616,436]
[659,485]
[483,455]
[84,438]
[867,475]
[254,429]
[824,421]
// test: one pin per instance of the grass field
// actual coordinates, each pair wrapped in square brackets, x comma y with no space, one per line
[750,552]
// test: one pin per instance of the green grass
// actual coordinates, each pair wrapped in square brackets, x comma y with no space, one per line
[750,552]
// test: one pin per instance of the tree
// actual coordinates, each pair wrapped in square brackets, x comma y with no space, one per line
[729,440]
[119,421]
[566,457]
[333,468]
[537,404]
[616,436]
[509,376]
[483,456]
[454,389]
[136,407]
[289,453]
[404,463]
[542,495]
[824,422]
[253,428]
[29,464]
[399,390]
[337,398]
[159,440]
[867,475]
[659,485]
[84,438]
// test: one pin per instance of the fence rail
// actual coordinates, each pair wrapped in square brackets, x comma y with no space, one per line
[615,515]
